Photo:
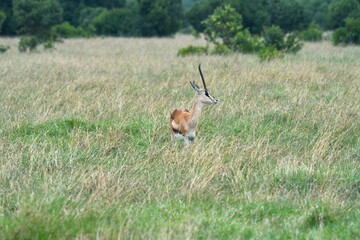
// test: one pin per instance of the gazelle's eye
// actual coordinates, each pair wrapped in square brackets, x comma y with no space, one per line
[206,94]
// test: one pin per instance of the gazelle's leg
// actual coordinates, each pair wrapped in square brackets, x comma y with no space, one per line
[187,143]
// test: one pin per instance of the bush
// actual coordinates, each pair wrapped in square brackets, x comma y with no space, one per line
[224,24]
[340,10]
[245,43]
[312,34]
[292,44]
[192,50]
[221,49]
[2,19]
[28,43]
[117,22]
[66,30]
[36,17]
[48,45]
[274,36]
[224,30]
[350,34]
[199,12]
[159,17]
[87,17]
[352,26]
[340,36]
[3,48]
[269,53]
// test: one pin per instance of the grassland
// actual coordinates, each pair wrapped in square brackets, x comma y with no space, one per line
[86,151]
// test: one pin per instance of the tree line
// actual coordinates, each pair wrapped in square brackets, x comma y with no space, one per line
[47,20]
[90,17]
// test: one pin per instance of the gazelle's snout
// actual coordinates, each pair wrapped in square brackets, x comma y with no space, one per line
[211,98]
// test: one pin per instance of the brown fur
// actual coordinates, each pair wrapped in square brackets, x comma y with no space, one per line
[179,120]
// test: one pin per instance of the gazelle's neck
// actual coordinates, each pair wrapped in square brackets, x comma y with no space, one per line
[196,112]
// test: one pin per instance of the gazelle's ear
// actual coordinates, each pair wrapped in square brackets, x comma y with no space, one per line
[195,86]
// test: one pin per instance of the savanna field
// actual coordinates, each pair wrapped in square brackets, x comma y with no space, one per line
[86,151]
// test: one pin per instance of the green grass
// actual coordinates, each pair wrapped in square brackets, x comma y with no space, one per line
[86,151]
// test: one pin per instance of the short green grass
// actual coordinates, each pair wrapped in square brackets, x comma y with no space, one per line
[86,151]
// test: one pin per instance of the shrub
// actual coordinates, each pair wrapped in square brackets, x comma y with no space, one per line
[36,17]
[269,53]
[4,48]
[312,34]
[2,19]
[199,12]
[48,45]
[117,22]
[292,44]
[28,43]
[192,50]
[352,26]
[225,23]
[350,34]
[340,10]
[87,17]
[245,43]
[159,17]
[224,29]
[340,36]
[66,30]
[274,36]
[221,49]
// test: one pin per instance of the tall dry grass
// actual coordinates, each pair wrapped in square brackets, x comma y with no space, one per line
[86,151]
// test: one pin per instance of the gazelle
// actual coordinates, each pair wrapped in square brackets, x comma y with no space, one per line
[183,123]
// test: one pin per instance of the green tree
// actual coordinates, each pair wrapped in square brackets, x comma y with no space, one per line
[66,30]
[199,12]
[316,10]
[87,17]
[224,29]
[36,17]
[109,4]
[313,33]
[253,12]
[223,25]
[117,22]
[160,17]
[274,37]
[73,9]
[288,15]
[349,34]
[256,14]
[187,4]
[340,10]
[8,25]
[2,19]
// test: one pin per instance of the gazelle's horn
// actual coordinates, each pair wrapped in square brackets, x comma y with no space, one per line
[202,78]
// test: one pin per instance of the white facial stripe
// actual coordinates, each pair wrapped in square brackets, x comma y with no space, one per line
[211,97]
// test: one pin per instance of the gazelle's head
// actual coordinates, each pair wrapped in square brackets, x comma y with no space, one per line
[203,94]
